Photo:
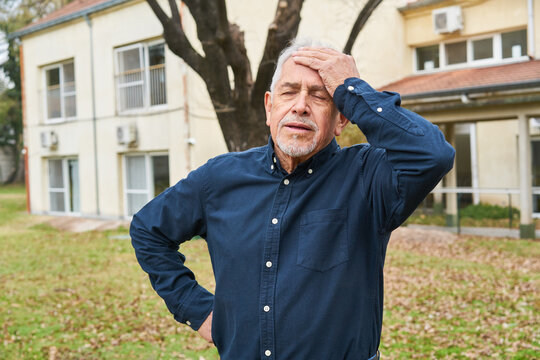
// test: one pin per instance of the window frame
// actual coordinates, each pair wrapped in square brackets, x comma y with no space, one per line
[65,190]
[60,66]
[149,175]
[497,58]
[144,46]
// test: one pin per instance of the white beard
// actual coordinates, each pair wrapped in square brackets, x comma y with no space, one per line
[295,147]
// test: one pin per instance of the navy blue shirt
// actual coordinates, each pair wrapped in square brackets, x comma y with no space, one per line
[298,258]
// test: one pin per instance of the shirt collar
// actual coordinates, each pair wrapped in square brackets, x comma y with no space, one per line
[309,167]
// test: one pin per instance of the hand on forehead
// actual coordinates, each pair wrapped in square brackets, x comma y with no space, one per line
[333,66]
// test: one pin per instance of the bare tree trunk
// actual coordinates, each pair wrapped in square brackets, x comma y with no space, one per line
[239,108]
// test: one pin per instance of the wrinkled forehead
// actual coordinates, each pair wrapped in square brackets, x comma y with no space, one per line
[293,73]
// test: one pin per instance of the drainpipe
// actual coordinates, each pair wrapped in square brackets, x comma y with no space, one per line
[25,132]
[530,30]
[94,125]
[189,141]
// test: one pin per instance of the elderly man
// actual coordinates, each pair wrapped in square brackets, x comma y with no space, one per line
[297,230]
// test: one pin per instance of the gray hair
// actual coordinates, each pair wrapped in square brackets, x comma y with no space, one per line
[294,45]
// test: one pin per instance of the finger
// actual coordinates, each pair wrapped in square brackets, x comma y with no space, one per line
[325,50]
[308,61]
[313,53]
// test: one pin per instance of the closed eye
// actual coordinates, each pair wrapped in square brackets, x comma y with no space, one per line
[320,96]
[288,93]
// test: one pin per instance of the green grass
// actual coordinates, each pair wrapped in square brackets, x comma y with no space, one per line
[83,296]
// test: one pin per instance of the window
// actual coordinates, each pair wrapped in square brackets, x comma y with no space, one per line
[140,76]
[456,53]
[64,193]
[482,49]
[514,44]
[427,57]
[493,49]
[147,175]
[60,92]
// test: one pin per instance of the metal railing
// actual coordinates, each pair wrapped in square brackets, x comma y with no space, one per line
[460,191]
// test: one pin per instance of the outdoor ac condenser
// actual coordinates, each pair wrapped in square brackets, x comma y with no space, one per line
[447,20]
[126,134]
[49,139]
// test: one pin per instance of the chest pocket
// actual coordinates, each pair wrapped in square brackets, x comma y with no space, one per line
[323,242]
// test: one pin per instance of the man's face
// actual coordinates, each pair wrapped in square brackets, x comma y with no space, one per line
[301,115]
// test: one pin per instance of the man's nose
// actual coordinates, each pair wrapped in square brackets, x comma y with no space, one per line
[301,106]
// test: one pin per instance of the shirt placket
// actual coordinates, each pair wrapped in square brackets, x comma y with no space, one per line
[270,267]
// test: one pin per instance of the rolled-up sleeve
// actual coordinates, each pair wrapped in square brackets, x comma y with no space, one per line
[157,230]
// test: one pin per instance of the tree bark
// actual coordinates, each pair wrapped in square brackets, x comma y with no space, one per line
[361,20]
[239,107]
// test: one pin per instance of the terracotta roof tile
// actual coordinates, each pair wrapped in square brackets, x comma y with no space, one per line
[467,78]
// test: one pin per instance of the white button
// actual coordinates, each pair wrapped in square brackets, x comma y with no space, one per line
[268,264]
[379,109]
[267,353]
[286,181]
[274,221]
[188,323]
[350,88]
[310,171]
[274,160]
[266,308]
[271,167]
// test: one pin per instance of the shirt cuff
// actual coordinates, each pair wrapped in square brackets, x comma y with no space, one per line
[351,85]
[366,107]
[196,309]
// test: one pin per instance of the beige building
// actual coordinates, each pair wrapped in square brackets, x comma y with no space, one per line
[112,117]
[474,71]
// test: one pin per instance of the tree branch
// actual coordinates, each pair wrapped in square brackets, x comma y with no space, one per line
[283,29]
[174,11]
[361,20]
[222,20]
[236,52]
[158,11]
[176,38]
[206,16]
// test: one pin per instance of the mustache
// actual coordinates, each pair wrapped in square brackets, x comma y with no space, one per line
[291,118]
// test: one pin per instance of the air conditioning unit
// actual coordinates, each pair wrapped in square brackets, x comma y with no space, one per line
[447,20]
[126,134]
[49,139]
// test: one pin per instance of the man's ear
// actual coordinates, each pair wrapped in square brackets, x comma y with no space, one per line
[268,106]
[342,122]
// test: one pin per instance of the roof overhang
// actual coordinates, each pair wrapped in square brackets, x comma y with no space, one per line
[420,4]
[503,95]
[66,18]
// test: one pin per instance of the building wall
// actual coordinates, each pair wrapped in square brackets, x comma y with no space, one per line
[498,160]
[158,131]
[383,52]
[165,130]
[479,17]
[498,164]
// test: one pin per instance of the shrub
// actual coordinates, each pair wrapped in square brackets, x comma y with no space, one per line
[487,211]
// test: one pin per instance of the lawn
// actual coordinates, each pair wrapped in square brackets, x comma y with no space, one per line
[83,296]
